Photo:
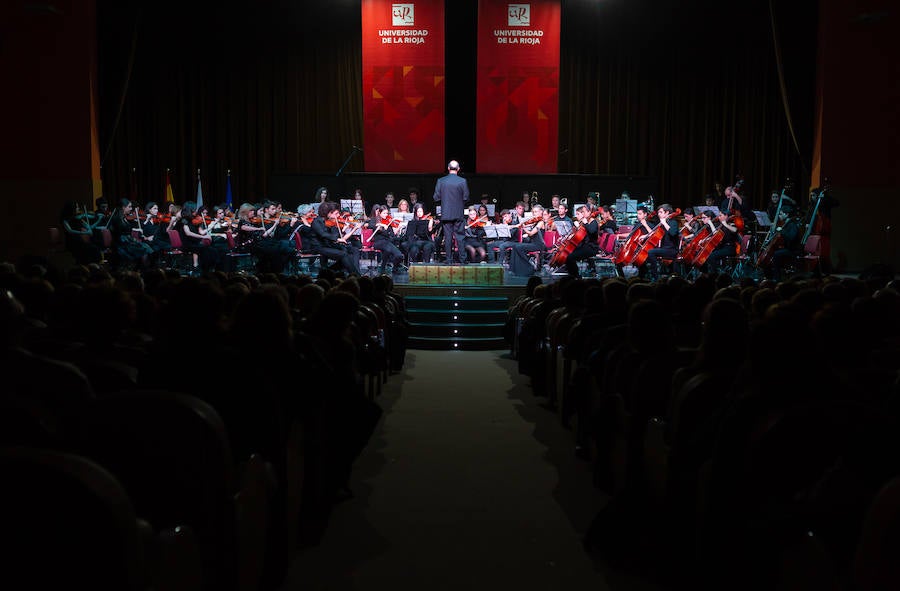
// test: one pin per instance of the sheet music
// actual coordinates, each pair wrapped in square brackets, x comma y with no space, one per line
[490,231]
[502,230]
[762,218]
[563,228]
[712,209]
[354,205]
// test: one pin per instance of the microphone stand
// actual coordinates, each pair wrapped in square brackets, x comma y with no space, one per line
[347,161]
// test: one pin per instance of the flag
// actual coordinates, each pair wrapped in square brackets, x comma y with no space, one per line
[170,197]
[228,189]
[199,192]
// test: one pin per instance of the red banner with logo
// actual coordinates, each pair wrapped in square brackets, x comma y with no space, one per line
[403,85]
[518,86]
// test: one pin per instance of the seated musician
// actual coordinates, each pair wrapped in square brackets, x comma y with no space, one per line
[420,235]
[561,214]
[607,224]
[501,244]
[476,247]
[668,247]
[327,240]
[217,230]
[192,236]
[691,225]
[532,240]
[588,248]
[384,238]
[128,248]
[273,250]
[790,249]
[155,229]
[78,230]
[728,246]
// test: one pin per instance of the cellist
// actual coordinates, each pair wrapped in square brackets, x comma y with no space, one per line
[789,229]
[668,246]
[727,246]
[589,246]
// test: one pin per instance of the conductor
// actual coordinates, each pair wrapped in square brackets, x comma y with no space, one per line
[452,192]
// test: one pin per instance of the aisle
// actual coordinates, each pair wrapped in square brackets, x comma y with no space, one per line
[460,488]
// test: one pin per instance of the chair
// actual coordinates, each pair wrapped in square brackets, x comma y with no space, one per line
[304,260]
[239,261]
[739,262]
[68,523]
[812,251]
[55,242]
[174,256]
[874,566]
[171,453]
[371,254]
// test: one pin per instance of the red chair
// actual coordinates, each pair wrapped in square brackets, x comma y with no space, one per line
[175,255]
[368,251]
[812,252]
[304,260]
[238,261]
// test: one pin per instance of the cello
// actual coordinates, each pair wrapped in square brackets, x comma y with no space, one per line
[568,244]
[690,250]
[632,244]
[653,240]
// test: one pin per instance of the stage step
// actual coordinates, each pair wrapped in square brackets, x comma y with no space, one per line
[458,317]
[461,344]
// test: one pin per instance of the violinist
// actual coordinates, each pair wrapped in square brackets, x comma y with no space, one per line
[501,244]
[668,246]
[561,213]
[192,236]
[589,247]
[474,241]
[274,250]
[420,235]
[125,245]
[329,242]
[532,233]
[607,223]
[77,224]
[728,245]
[384,238]
[155,230]
[518,213]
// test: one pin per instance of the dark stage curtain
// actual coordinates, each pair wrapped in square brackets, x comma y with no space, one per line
[252,87]
[686,93]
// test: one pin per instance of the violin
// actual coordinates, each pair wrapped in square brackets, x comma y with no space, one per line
[478,223]
[199,220]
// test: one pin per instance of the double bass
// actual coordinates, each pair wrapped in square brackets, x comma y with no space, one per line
[774,239]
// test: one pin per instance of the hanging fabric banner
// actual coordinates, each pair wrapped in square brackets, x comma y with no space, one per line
[403,85]
[518,86]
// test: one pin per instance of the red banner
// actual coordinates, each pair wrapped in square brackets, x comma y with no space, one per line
[518,86]
[403,85]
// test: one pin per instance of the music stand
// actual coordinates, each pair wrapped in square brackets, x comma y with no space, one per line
[711,209]
[563,228]
[502,230]
[490,232]
[762,218]
[354,205]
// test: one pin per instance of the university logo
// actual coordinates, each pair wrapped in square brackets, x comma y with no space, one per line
[519,15]
[403,15]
